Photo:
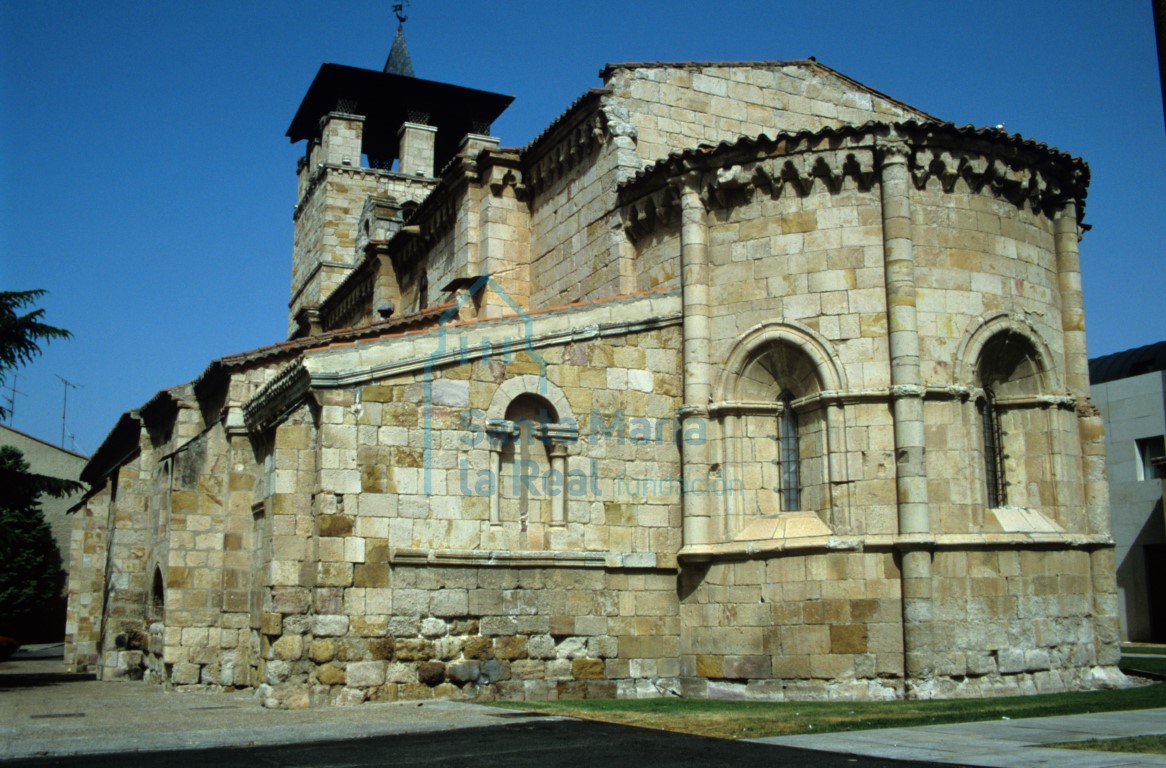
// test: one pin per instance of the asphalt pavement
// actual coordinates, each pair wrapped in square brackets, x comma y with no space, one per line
[52,718]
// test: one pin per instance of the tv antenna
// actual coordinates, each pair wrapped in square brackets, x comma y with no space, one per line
[399,11]
[65,403]
[10,398]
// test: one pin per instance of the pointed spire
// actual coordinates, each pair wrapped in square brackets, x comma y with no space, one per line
[399,62]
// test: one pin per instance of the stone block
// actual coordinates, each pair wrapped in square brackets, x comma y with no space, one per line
[271,624]
[587,669]
[509,648]
[366,674]
[335,525]
[330,674]
[431,673]
[540,647]
[329,626]
[288,647]
[449,603]
[710,666]
[321,651]
[478,648]
[848,638]
[184,673]
[462,672]
[382,648]
[334,575]
[492,671]
[413,649]
[431,627]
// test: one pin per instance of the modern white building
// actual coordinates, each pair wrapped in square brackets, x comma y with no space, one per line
[1130,389]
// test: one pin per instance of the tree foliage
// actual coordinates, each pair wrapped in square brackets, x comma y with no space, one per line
[21,336]
[31,577]
[30,563]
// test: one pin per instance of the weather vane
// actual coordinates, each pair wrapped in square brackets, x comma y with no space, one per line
[399,11]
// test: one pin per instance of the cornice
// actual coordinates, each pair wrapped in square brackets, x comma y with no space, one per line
[278,397]
[322,171]
[1019,171]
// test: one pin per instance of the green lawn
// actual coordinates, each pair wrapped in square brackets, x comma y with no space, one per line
[750,719]
[1154,745]
[1153,666]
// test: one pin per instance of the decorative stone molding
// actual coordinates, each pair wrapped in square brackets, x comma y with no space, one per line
[989,162]
[277,398]
[831,376]
[983,330]
[560,158]
[510,558]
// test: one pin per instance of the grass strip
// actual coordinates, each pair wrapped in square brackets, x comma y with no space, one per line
[1153,666]
[1145,745]
[751,719]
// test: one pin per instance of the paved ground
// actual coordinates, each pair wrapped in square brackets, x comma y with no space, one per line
[544,743]
[50,718]
[1000,743]
[46,712]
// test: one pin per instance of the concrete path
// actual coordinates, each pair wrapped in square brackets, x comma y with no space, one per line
[46,711]
[999,743]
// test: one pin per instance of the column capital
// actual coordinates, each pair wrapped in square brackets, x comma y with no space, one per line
[894,151]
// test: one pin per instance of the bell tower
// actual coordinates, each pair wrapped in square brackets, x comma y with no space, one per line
[368,134]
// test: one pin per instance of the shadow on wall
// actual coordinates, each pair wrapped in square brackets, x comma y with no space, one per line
[1142,576]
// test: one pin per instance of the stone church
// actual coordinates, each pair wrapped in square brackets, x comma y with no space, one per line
[742,379]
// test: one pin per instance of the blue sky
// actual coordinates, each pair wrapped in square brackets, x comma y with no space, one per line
[145,180]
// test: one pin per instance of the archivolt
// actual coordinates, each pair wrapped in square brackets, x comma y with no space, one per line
[830,376]
[969,355]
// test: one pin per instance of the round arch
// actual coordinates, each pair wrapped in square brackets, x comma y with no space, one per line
[754,342]
[988,331]
[529,384]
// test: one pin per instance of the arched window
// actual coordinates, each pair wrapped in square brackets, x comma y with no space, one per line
[993,455]
[524,494]
[423,291]
[789,455]
[1013,428]
[157,597]
[776,441]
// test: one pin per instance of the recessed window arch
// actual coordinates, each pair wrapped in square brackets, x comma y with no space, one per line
[157,596]
[1013,433]
[779,438]
[526,450]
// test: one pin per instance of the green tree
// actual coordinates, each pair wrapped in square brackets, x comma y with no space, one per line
[31,577]
[22,331]
[22,334]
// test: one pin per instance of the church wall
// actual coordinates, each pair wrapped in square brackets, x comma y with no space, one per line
[678,107]
[807,626]
[578,250]
[1011,621]
[122,638]
[977,258]
[88,551]
[400,593]
[326,225]
[507,521]
[811,265]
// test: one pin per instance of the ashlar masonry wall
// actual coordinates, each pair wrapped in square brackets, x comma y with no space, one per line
[804,303]
[474,591]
